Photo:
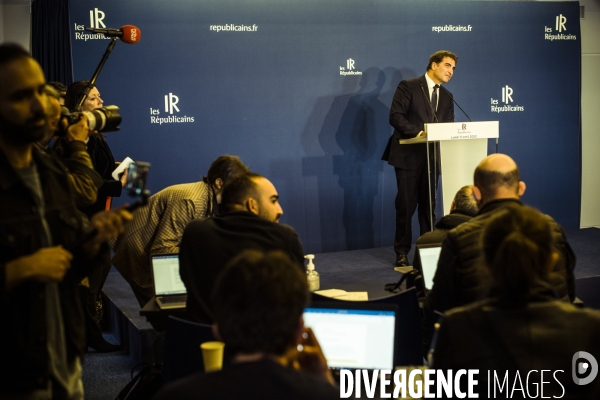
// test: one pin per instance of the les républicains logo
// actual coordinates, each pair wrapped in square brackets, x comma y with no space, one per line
[96,21]
[560,26]
[507,100]
[350,68]
[171,107]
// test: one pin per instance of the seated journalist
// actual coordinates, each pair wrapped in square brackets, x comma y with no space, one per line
[524,327]
[250,220]
[258,302]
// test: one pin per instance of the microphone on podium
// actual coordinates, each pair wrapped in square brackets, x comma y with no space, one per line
[452,97]
[127,33]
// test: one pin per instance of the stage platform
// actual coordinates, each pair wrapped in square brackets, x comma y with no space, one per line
[357,267]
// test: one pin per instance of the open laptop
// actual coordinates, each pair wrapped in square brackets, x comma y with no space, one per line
[356,335]
[429,255]
[169,290]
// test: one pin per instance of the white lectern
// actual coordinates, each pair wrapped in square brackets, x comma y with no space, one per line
[462,147]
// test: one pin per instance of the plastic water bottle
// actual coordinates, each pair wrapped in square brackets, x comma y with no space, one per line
[312,276]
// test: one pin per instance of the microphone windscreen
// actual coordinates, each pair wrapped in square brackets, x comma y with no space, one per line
[131,34]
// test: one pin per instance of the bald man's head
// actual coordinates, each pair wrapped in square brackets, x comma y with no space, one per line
[497,177]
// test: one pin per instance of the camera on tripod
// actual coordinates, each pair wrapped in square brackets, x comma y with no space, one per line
[103,119]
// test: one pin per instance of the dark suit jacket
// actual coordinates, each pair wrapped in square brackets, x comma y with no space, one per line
[409,113]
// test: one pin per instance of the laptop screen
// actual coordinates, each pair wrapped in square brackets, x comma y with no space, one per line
[429,256]
[165,269]
[354,337]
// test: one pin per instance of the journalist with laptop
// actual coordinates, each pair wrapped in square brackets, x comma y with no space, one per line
[259,299]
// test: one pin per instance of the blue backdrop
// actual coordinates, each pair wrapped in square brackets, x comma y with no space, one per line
[301,92]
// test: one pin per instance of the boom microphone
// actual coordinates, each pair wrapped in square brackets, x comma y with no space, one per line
[127,33]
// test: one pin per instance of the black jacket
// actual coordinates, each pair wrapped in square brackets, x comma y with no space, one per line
[208,244]
[502,335]
[24,361]
[104,164]
[409,113]
[461,278]
[438,235]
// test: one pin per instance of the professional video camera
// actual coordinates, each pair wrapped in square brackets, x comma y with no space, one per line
[103,119]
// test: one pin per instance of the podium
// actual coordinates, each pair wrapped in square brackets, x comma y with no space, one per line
[462,147]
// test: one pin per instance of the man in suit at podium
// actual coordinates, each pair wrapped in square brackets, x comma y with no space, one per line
[416,102]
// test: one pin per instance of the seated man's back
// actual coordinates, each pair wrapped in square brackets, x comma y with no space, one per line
[460,277]
[250,220]
[258,302]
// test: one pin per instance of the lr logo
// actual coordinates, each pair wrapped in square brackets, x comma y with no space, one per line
[96,18]
[507,94]
[171,103]
[561,20]
[350,64]
[350,68]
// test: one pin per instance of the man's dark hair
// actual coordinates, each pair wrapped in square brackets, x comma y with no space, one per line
[238,189]
[60,88]
[488,181]
[258,301]
[51,91]
[464,201]
[73,93]
[225,167]
[10,52]
[439,55]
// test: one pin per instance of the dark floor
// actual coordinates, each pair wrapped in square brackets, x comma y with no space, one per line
[106,374]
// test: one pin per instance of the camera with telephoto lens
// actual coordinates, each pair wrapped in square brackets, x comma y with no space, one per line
[103,119]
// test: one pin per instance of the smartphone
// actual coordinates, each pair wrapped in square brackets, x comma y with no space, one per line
[137,175]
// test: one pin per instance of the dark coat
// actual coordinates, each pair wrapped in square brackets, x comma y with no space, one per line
[409,113]
[461,278]
[438,235]
[207,245]
[24,362]
[501,335]
[104,164]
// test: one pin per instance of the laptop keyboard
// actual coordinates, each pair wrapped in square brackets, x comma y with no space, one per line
[173,299]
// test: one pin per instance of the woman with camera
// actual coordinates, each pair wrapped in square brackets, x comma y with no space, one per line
[104,164]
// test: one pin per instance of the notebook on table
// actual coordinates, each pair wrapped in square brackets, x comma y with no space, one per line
[169,290]
[356,335]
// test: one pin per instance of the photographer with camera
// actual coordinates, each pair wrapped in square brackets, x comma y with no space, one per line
[104,164]
[102,157]
[81,174]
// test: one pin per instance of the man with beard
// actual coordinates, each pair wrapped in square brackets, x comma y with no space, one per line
[251,212]
[41,264]
[158,227]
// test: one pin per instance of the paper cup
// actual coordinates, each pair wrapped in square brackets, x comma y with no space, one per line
[212,355]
